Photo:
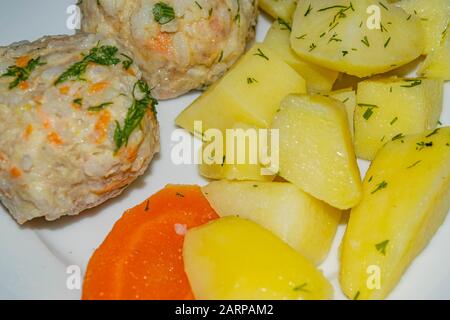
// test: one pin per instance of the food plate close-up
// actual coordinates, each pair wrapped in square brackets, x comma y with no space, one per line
[224,149]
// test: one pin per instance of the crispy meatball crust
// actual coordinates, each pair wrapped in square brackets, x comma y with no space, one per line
[63,141]
[188,50]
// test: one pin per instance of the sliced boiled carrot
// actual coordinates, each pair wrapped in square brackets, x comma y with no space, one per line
[142,256]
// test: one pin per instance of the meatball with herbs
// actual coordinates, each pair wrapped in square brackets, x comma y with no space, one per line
[78,125]
[179,44]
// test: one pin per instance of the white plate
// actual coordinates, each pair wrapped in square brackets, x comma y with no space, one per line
[34,259]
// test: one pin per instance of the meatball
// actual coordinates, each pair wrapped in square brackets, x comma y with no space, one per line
[78,125]
[179,44]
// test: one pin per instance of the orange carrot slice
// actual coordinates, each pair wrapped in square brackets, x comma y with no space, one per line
[141,259]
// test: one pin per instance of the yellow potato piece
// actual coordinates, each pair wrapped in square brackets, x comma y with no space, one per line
[390,108]
[434,16]
[361,38]
[317,79]
[406,198]
[283,9]
[235,171]
[348,98]
[316,150]
[308,225]
[236,259]
[437,63]
[249,93]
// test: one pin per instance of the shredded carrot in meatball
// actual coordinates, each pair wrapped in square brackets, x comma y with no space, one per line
[64,90]
[110,187]
[38,99]
[22,62]
[76,106]
[28,131]
[162,43]
[101,126]
[98,87]
[131,72]
[16,172]
[24,85]
[54,138]
[43,117]
[132,154]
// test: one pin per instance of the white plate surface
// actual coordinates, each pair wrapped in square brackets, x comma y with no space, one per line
[34,259]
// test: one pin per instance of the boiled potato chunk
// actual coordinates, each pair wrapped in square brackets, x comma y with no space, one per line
[434,16]
[317,79]
[249,93]
[283,9]
[238,172]
[348,98]
[316,150]
[437,63]
[406,198]
[308,225]
[230,169]
[236,259]
[341,35]
[389,108]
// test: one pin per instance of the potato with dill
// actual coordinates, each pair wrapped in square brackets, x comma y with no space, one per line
[179,44]
[79,125]
[360,38]
[406,198]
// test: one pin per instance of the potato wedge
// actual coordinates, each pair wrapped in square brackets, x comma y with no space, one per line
[317,79]
[348,98]
[237,259]
[434,16]
[406,198]
[437,63]
[361,38]
[283,9]
[316,150]
[251,170]
[249,93]
[308,225]
[390,108]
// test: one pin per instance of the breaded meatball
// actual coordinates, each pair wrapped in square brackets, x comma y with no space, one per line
[78,125]
[179,44]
